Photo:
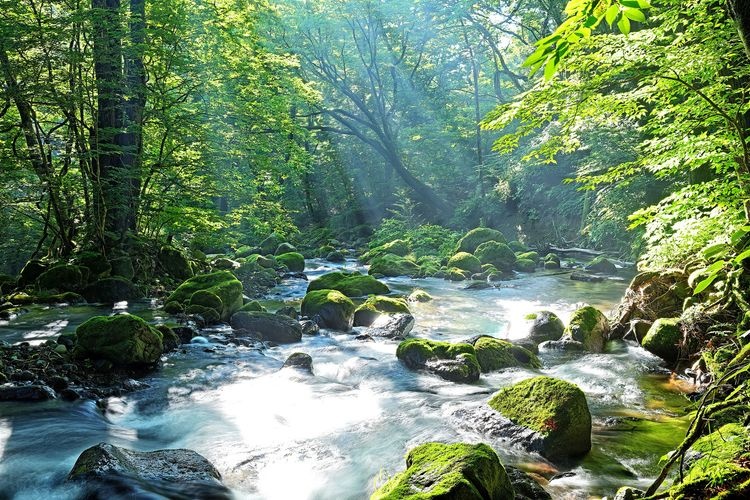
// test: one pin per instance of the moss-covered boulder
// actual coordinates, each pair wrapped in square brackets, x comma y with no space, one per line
[285,248]
[222,284]
[533,256]
[63,277]
[466,262]
[335,256]
[111,290]
[545,325]
[351,284]
[123,340]
[393,265]
[456,274]
[517,246]
[525,265]
[395,247]
[94,262]
[122,267]
[664,338]
[551,265]
[31,271]
[246,251]
[174,307]
[589,327]
[554,409]
[270,244]
[330,309]
[495,354]
[262,261]
[174,263]
[496,253]
[419,296]
[253,306]
[377,305]
[449,471]
[601,265]
[294,261]
[224,263]
[454,362]
[271,327]
[474,238]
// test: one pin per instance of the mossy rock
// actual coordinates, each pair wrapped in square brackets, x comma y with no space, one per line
[173,307]
[601,265]
[31,271]
[94,262]
[474,238]
[324,250]
[285,248]
[224,263]
[496,253]
[123,340]
[61,298]
[246,251]
[174,263]
[253,306]
[419,296]
[449,471]
[270,244]
[377,305]
[718,465]
[123,267]
[517,246]
[456,274]
[664,338]
[206,298]
[7,283]
[533,256]
[395,247]
[63,277]
[545,325]
[223,284]
[335,256]
[466,262]
[454,362]
[294,261]
[552,257]
[525,265]
[351,284]
[332,309]
[271,327]
[551,265]
[262,261]
[495,354]
[393,265]
[555,409]
[590,327]
[111,290]
[209,314]
[170,340]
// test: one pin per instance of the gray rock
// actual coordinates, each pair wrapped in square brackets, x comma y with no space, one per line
[396,327]
[524,485]
[309,327]
[300,361]
[31,393]
[271,327]
[564,344]
[113,472]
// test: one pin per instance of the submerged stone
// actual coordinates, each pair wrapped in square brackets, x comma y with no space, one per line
[449,471]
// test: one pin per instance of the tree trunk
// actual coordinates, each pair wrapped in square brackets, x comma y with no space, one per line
[740,10]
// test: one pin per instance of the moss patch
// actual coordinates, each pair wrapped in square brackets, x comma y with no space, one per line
[376,305]
[294,261]
[352,284]
[495,354]
[590,327]
[471,241]
[222,284]
[663,339]
[445,471]
[496,253]
[123,339]
[555,409]
[466,262]
[393,265]
[333,308]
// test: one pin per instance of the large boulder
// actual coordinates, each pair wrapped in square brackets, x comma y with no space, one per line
[123,267]
[525,265]
[590,327]
[220,284]
[449,471]
[376,306]
[471,241]
[395,247]
[393,265]
[495,354]
[652,295]
[294,261]
[545,325]
[664,339]
[31,271]
[63,278]
[271,327]
[553,409]
[111,290]
[174,263]
[496,253]
[351,284]
[466,262]
[330,309]
[601,265]
[396,326]
[123,340]
[454,362]
[285,248]
[94,262]
[270,244]
[112,472]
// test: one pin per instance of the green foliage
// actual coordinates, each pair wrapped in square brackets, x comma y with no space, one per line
[423,239]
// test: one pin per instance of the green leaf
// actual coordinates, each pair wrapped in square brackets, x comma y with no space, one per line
[630,3]
[704,284]
[611,14]
[644,4]
[591,21]
[550,68]
[635,15]
[624,25]
[713,250]
[744,255]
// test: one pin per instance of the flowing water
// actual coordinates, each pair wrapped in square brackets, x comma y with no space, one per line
[339,434]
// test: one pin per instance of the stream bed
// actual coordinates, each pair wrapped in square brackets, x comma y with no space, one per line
[342,432]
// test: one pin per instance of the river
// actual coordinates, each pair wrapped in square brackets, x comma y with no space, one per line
[277,434]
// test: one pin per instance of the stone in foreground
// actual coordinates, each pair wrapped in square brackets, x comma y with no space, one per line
[330,309]
[454,362]
[449,471]
[271,327]
[123,340]
[554,409]
[113,472]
